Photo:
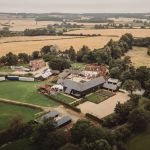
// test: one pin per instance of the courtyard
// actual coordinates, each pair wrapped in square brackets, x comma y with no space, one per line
[104,108]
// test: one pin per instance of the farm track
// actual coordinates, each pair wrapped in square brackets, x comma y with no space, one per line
[24,104]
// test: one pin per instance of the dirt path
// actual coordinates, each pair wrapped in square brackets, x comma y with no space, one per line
[61,109]
[24,104]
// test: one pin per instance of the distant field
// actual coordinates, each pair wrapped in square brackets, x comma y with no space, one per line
[139,57]
[22,24]
[62,44]
[114,32]
[24,92]
[9,111]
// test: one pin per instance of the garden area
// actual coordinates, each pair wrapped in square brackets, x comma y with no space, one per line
[64,98]
[24,92]
[10,111]
[80,66]
[99,96]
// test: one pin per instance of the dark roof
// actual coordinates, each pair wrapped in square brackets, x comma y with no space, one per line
[51,114]
[110,86]
[64,120]
[78,86]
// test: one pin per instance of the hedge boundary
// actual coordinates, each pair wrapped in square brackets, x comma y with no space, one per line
[94,118]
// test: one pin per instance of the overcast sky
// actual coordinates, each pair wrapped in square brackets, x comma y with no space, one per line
[75,6]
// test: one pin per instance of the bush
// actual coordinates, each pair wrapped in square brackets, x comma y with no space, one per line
[148,52]
[139,120]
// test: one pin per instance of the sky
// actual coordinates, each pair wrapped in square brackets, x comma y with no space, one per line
[75,6]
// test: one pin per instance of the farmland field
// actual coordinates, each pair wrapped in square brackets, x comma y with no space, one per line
[139,57]
[24,92]
[22,24]
[29,46]
[9,111]
[140,141]
[114,32]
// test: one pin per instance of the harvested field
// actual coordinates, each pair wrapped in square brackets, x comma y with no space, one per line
[104,108]
[139,57]
[22,24]
[114,32]
[36,43]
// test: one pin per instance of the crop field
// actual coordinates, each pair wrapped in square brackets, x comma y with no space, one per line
[24,92]
[22,24]
[114,32]
[22,44]
[139,57]
[9,111]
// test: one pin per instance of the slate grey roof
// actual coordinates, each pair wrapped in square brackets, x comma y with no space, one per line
[64,120]
[112,80]
[110,86]
[78,86]
[51,114]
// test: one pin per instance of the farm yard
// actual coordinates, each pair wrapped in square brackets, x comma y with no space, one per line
[99,96]
[104,108]
[139,57]
[9,111]
[22,44]
[24,92]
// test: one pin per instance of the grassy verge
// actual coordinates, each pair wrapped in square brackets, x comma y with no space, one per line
[64,98]
[24,92]
[78,65]
[9,111]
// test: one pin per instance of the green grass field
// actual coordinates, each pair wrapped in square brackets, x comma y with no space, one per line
[78,65]
[99,96]
[22,144]
[24,92]
[64,98]
[140,141]
[9,111]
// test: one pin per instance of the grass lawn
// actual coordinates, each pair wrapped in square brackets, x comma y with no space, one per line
[24,92]
[140,141]
[22,144]
[99,96]
[78,65]
[9,111]
[64,98]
